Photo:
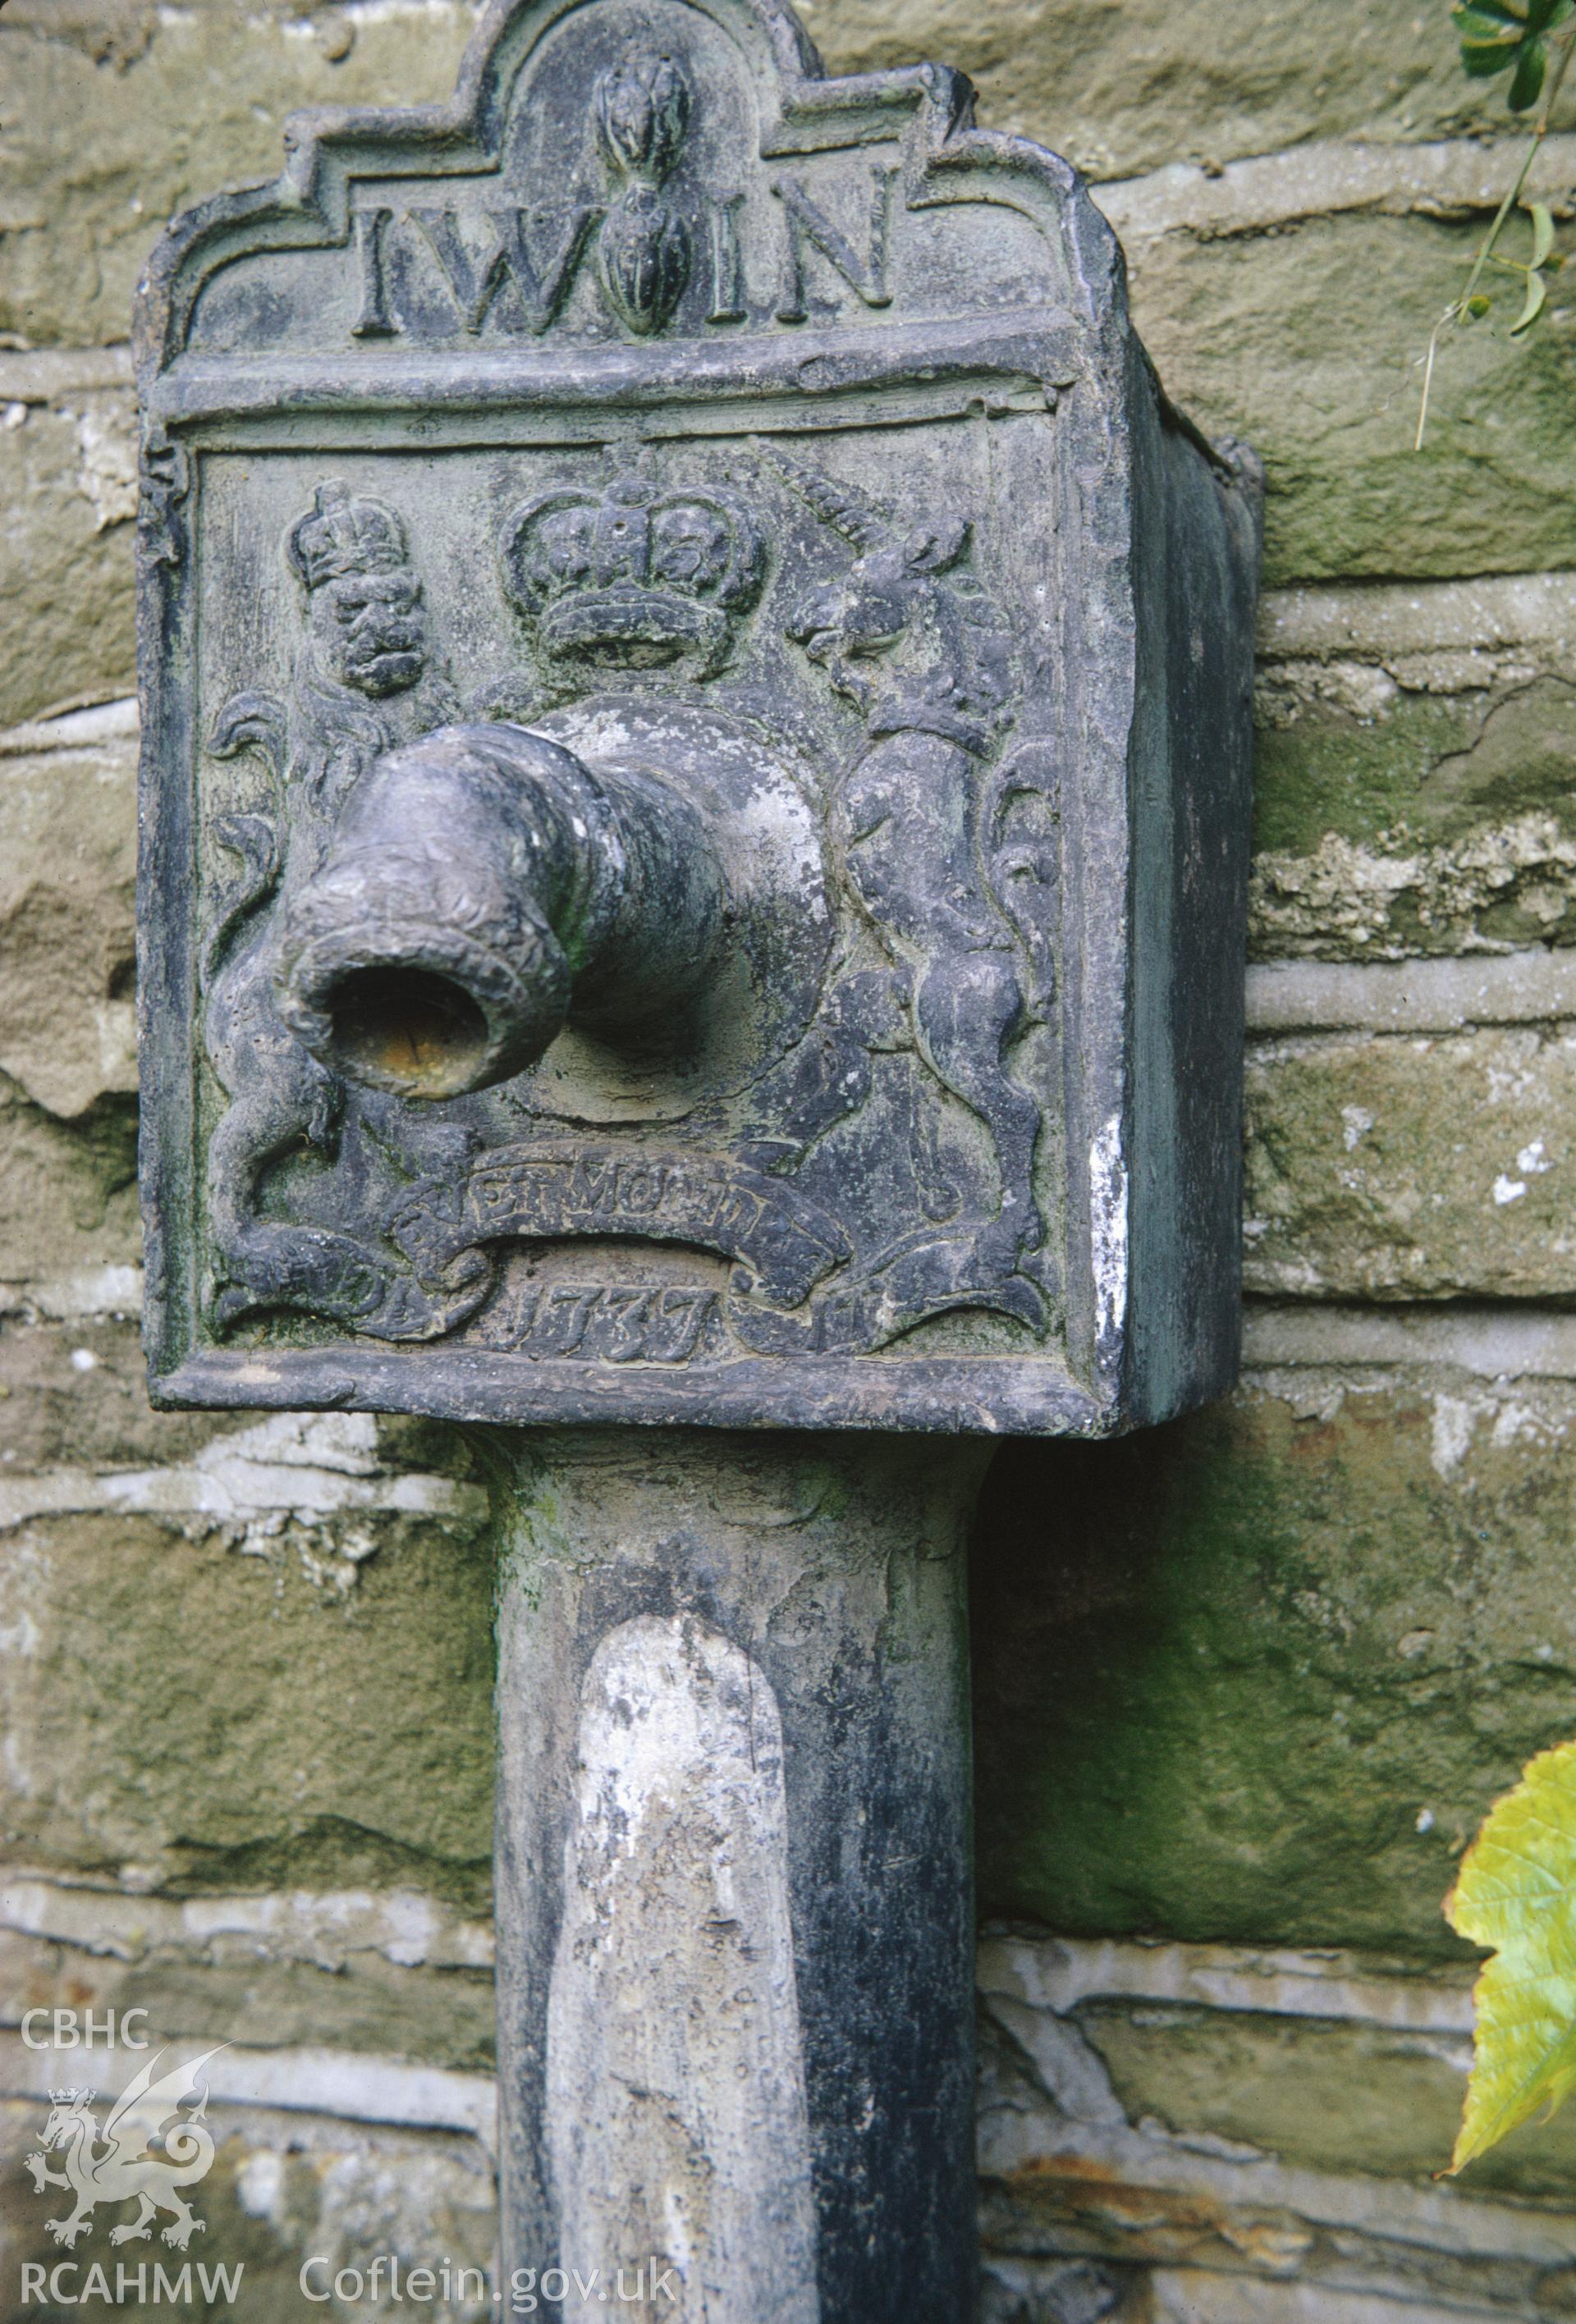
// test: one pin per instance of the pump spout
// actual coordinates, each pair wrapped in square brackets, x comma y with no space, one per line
[483,888]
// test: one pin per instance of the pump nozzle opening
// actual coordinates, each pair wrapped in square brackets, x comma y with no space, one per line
[406,1029]
[480,883]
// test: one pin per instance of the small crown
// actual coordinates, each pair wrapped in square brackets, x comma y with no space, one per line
[633,573]
[342,534]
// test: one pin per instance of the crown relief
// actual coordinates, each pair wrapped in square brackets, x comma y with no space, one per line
[345,533]
[633,572]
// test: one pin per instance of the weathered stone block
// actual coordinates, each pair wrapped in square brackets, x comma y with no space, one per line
[283,2188]
[68,801]
[1330,2095]
[1499,888]
[1059,2292]
[1433,765]
[1335,2096]
[1385,1167]
[78,1392]
[163,105]
[1246,333]
[68,1195]
[1121,86]
[1391,901]
[370,2005]
[384,1971]
[65,579]
[312,1693]
[1411,769]
[1264,1671]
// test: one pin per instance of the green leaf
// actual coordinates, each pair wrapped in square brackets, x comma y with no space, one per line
[1481,59]
[1490,43]
[1486,20]
[1542,230]
[1537,291]
[1516,1892]
[1532,64]
[1496,37]
[1478,306]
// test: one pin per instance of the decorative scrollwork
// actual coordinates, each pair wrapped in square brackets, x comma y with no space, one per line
[165,478]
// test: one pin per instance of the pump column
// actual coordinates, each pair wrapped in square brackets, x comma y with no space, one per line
[733,1875]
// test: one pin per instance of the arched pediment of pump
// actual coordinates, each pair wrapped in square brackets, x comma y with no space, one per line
[605,177]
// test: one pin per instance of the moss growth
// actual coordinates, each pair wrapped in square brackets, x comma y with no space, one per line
[224,1719]
[1430,769]
[1217,1688]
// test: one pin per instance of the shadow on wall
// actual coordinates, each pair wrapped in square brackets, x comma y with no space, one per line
[1256,1675]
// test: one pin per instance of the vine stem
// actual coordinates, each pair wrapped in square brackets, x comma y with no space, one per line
[1457,306]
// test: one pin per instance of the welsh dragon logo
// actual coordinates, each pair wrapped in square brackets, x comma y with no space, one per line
[119,2166]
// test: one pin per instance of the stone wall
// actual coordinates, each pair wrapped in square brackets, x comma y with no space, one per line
[1246,1683]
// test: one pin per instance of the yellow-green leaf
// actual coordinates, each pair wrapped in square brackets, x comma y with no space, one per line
[1537,291]
[1542,230]
[1516,1891]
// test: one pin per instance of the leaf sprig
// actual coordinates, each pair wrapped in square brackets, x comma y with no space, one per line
[1497,36]
[1532,40]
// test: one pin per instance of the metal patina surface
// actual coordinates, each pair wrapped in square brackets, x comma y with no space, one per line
[736,1967]
[696,763]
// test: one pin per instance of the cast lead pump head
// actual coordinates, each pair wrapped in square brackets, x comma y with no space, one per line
[696,763]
